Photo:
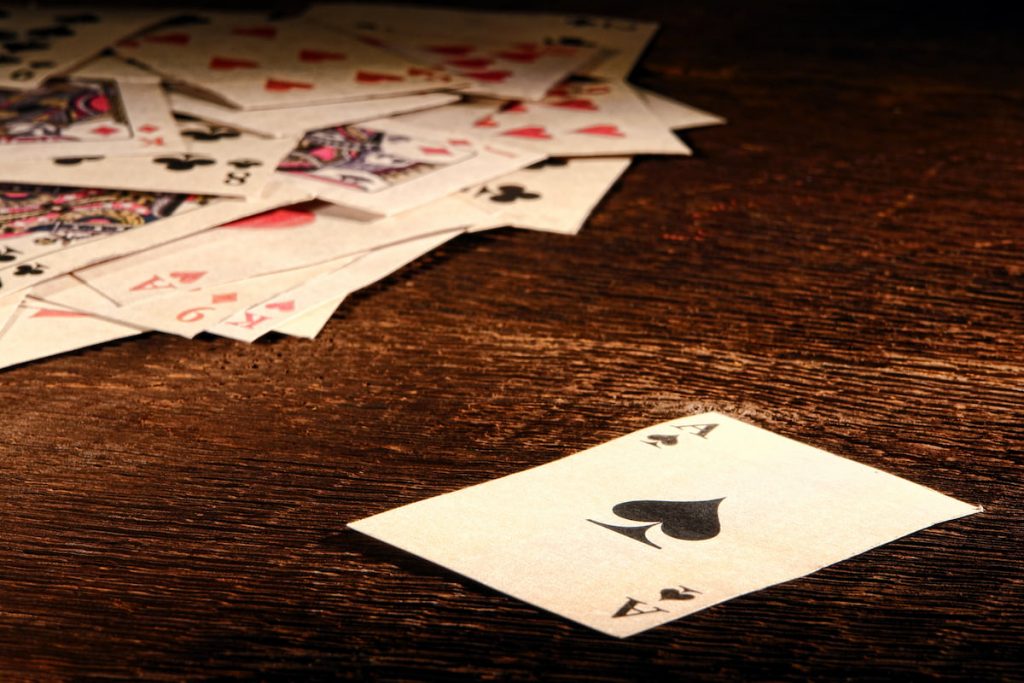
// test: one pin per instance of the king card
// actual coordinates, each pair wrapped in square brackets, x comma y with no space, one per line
[663,522]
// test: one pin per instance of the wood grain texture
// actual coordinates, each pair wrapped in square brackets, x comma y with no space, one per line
[841,264]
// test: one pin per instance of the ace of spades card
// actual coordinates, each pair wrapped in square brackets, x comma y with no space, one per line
[217,160]
[663,522]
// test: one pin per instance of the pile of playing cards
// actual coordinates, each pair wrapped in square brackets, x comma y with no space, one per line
[234,174]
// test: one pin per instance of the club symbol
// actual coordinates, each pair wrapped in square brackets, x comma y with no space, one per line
[245,163]
[9,254]
[74,161]
[659,440]
[29,269]
[550,161]
[184,162]
[509,193]
[211,134]
[688,520]
[58,31]
[677,594]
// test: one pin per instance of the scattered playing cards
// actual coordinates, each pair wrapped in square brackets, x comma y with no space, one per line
[663,522]
[236,174]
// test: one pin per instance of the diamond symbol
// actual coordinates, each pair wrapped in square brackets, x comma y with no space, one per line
[224,298]
[105,130]
[148,128]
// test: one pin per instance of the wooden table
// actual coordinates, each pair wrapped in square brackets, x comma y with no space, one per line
[841,264]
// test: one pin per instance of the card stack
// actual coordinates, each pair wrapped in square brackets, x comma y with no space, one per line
[237,175]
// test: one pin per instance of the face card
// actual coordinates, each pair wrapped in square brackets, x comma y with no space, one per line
[39,330]
[384,168]
[554,195]
[52,231]
[284,239]
[256,64]
[296,121]
[82,117]
[663,522]
[577,118]
[217,160]
[37,44]
[252,323]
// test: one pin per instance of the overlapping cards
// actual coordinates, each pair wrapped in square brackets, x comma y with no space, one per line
[234,174]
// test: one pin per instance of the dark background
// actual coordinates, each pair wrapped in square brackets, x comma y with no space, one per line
[840,264]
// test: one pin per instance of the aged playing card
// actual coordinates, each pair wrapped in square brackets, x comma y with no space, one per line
[255,64]
[81,117]
[663,522]
[554,195]
[577,118]
[250,324]
[38,330]
[677,115]
[385,167]
[283,239]
[217,160]
[42,242]
[310,323]
[36,44]
[296,121]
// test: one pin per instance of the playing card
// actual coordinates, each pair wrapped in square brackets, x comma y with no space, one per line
[217,160]
[677,115]
[36,44]
[253,64]
[384,167]
[8,307]
[619,42]
[296,121]
[82,117]
[663,522]
[250,324]
[577,118]
[554,195]
[49,231]
[283,239]
[310,323]
[38,330]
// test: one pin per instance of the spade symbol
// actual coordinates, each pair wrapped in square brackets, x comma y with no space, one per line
[213,133]
[184,162]
[58,31]
[687,520]
[74,161]
[676,594]
[245,163]
[659,440]
[550,161]
[510,193]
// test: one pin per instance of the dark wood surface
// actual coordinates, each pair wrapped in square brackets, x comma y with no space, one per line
[841,264]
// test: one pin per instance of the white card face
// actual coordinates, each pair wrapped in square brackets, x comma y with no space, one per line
[383,167]
[284,239]
[296,121]
[578,118]
[310,323]
[37,244]
[39,330]
[81,117]
[677,115]
[554,195]
[663,522]
[620,42]
[250,324]
[254,64]
[8,307]
[37,44]
[217,160]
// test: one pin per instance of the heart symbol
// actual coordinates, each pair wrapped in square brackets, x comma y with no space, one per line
[524,57]
[454,50]
[375,77]
[169,38]
[224,298]
[226,63]
[317,56]
[435,150]
[276,85]
[278,218]
[256,31]
[535,132]
[576,104]
[470,62]
[283,306]
[609,130]
[488,76]
[188,277]
[515,108]
[485,122]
